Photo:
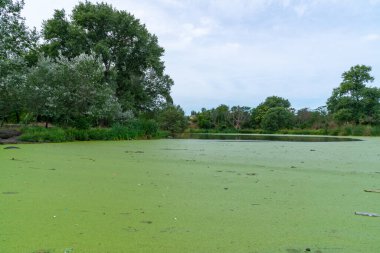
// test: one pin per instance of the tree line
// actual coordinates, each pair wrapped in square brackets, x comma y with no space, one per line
[352,103]
[100,66]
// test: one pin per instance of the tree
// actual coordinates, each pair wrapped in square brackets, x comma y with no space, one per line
[172,118]
[306,118]
[259,112]
[353,101]
[239,116]
[71,92]
[12,88]
[17,47]
[277,118]
[130,55]
[16,40]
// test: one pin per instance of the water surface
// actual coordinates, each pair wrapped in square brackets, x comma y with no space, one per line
[170,196]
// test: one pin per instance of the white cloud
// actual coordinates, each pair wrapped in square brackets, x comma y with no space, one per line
[372,37]
[300,9]
[240,51]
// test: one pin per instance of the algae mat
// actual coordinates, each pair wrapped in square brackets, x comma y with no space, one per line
[190,196]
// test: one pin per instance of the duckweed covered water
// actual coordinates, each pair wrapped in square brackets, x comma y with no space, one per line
[190,196]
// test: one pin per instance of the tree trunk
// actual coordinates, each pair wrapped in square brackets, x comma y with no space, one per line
[17,117]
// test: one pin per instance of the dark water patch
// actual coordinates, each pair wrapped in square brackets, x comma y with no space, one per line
[131,229]
[168,230]
[135,152]
[11,147]
[43,251]
[263,137]
[182,149]
[293,251]
[251,174]
[10,193]
[87,158]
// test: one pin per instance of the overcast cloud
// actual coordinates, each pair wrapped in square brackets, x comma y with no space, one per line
[238,52]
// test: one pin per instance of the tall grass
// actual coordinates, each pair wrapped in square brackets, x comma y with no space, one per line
[139,129]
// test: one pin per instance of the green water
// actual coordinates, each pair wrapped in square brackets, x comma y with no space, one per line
[190,196]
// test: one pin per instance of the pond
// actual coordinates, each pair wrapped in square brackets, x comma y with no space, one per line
[263,137]
[189,196]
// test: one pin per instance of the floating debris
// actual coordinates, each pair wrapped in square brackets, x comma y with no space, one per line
[367,214]
[147,221]
[42,251]
[68,250]
[372,190]
[135,152]
[10,193]
[251,174]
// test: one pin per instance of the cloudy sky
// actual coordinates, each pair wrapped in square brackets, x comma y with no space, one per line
[238,52]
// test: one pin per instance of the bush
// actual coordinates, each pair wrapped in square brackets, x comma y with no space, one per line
[134,130]
[39,134]
[172,119]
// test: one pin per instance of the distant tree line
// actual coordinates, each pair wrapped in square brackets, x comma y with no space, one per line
[97,67]
[100,66]
[352,103]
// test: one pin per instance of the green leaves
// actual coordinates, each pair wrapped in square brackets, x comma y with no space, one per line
[353,101]
[130,54]
[71,91]
[16,39]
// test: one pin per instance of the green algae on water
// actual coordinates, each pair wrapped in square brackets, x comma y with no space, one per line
[190,196]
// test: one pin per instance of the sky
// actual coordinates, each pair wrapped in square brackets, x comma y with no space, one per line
[238,52]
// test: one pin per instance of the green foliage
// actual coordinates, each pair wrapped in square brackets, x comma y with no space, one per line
[71,92]
[311,119]
[277,118]
[354,102]
[134,130]
[13,74]
[258,113]
[39,134]
[16,40]
[172,118]
[130,55]
[239,116]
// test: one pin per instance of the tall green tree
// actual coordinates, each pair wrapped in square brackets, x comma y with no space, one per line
[277,118]
[71,92]
[259,112]
[16,39]
[13,74]
[353,101]
[172,118]
[17,48]
[239,116]
[130,54]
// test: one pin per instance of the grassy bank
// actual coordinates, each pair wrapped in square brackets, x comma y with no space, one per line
[138,130]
